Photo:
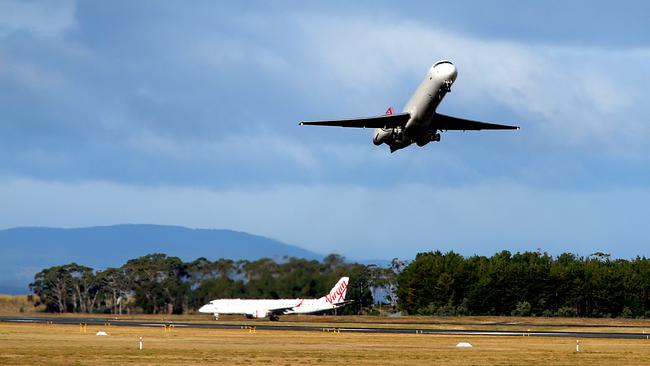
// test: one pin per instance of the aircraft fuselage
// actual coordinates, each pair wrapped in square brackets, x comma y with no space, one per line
[261,308]
[422,106]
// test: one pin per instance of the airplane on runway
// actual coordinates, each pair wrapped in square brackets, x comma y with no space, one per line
[419,122]
[260,308]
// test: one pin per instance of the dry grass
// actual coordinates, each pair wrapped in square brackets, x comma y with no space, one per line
[18,304]
[64,345]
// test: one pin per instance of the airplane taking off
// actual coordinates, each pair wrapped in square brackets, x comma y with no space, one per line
[257,308]
[419,122]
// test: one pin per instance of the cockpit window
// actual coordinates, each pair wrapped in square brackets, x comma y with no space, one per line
[442,62]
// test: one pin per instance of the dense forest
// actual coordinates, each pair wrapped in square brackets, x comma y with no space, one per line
[530,283]
[434,283]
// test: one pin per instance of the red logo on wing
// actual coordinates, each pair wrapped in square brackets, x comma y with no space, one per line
[389,111]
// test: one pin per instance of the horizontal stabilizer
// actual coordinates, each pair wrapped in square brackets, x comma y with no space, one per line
[446,123]
[343,303]
[385,121]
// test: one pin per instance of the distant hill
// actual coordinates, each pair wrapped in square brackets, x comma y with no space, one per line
[25,251]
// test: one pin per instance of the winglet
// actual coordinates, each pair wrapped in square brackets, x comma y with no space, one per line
[389,111]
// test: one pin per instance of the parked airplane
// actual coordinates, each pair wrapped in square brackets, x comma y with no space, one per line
[256,308]
[419,121]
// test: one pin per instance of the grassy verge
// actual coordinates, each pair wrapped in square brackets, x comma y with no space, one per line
[65,345]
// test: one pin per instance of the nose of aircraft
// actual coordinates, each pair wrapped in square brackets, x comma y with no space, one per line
[447,70]
[206,309]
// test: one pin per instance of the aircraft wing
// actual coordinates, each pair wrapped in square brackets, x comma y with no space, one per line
[343,303]
[443,122]
[280,311]
[384,121]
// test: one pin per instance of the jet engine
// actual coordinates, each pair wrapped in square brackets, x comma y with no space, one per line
[393,137]
[435,136]
[383,136]
[390,137]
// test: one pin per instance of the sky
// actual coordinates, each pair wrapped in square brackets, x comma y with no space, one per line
[186,113]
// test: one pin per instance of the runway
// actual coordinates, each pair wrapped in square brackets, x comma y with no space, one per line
[329,328]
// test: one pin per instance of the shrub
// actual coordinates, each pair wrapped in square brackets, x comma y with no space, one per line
[523,309]
[463,308]
[627,313]
[567,312]
[446,310]
[548,313]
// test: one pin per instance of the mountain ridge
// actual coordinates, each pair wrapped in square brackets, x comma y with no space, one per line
[24,251]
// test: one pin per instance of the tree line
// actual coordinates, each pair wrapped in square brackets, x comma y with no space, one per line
[529,283]
[157,283]
[434,283]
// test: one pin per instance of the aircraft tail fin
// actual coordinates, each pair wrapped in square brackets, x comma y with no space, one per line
[337,293]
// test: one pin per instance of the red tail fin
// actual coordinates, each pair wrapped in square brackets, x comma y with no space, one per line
[389,111]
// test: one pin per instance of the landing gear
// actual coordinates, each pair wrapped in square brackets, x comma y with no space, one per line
[433,137]
[446,86]
[274,318]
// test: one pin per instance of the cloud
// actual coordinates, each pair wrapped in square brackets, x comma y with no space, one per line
[577,97]
[359,222]
[254,147]
[226,93]
[188,115]
[43,18]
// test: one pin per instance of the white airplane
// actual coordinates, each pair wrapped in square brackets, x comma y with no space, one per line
[419,121]
[258,308]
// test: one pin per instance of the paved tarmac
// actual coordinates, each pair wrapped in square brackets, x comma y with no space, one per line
[361,328]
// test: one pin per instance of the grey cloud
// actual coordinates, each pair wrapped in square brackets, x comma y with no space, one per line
[566,96]
[174,114]
[166,97]
[356,221]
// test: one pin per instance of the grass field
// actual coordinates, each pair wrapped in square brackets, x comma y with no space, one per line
[64,345]
[12,304]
